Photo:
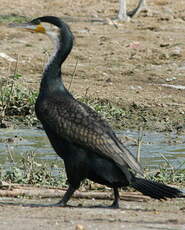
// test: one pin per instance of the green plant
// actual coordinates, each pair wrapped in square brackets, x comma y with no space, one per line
[30,170]
[16,76]
[10,18]
[16,100]
[169,175]
[107,109]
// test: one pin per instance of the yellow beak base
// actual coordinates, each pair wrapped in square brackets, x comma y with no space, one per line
[40,29]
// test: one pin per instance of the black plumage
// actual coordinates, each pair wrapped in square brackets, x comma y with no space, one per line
[87,144]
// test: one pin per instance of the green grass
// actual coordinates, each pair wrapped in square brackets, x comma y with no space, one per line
[168,175]
[114,114]
[12,18]
[17,102]
[30,170]
[17,106]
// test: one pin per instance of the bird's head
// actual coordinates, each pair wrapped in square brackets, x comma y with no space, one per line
[56,29]
[49,25]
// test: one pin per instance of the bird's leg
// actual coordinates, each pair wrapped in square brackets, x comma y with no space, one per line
[66,197]
[115,203]
[141,5]
[122,15]
[144,4]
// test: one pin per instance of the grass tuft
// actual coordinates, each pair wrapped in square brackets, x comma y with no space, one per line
[168,175]
[12,18]
[16,101]
[30,170]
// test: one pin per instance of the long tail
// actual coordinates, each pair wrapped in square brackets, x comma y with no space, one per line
[156,190]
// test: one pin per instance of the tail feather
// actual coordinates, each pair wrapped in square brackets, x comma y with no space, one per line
[156,190]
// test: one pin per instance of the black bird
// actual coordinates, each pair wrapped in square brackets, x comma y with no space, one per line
[81,137]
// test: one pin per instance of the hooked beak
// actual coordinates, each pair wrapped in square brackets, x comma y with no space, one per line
[30,27]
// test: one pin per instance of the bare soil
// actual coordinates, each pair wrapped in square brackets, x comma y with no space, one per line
[134,65]
[83,214]
[130,64]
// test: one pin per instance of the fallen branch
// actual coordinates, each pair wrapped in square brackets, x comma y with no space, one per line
[44,192]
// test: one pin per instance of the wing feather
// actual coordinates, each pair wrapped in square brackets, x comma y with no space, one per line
[80,124]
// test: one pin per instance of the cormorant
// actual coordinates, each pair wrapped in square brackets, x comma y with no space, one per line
[80,136]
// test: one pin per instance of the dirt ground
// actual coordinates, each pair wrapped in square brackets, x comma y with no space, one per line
[135,65]
[137,62]
[19,214]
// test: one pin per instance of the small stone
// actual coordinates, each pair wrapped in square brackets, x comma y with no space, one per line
[79,227]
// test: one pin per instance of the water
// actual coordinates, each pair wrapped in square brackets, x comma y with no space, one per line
[158,148]
[155,150]
[17,143]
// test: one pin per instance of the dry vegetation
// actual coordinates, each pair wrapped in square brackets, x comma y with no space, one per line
[131,64]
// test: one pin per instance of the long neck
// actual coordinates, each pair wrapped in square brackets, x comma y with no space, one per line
[63,43]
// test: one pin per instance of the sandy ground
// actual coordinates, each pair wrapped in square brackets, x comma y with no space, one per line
[135,65]
[130,63]
[127,64]
[132,215]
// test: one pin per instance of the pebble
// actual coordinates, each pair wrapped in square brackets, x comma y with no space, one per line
[79,227]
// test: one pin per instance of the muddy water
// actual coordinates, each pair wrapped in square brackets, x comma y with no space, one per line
[156,149]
